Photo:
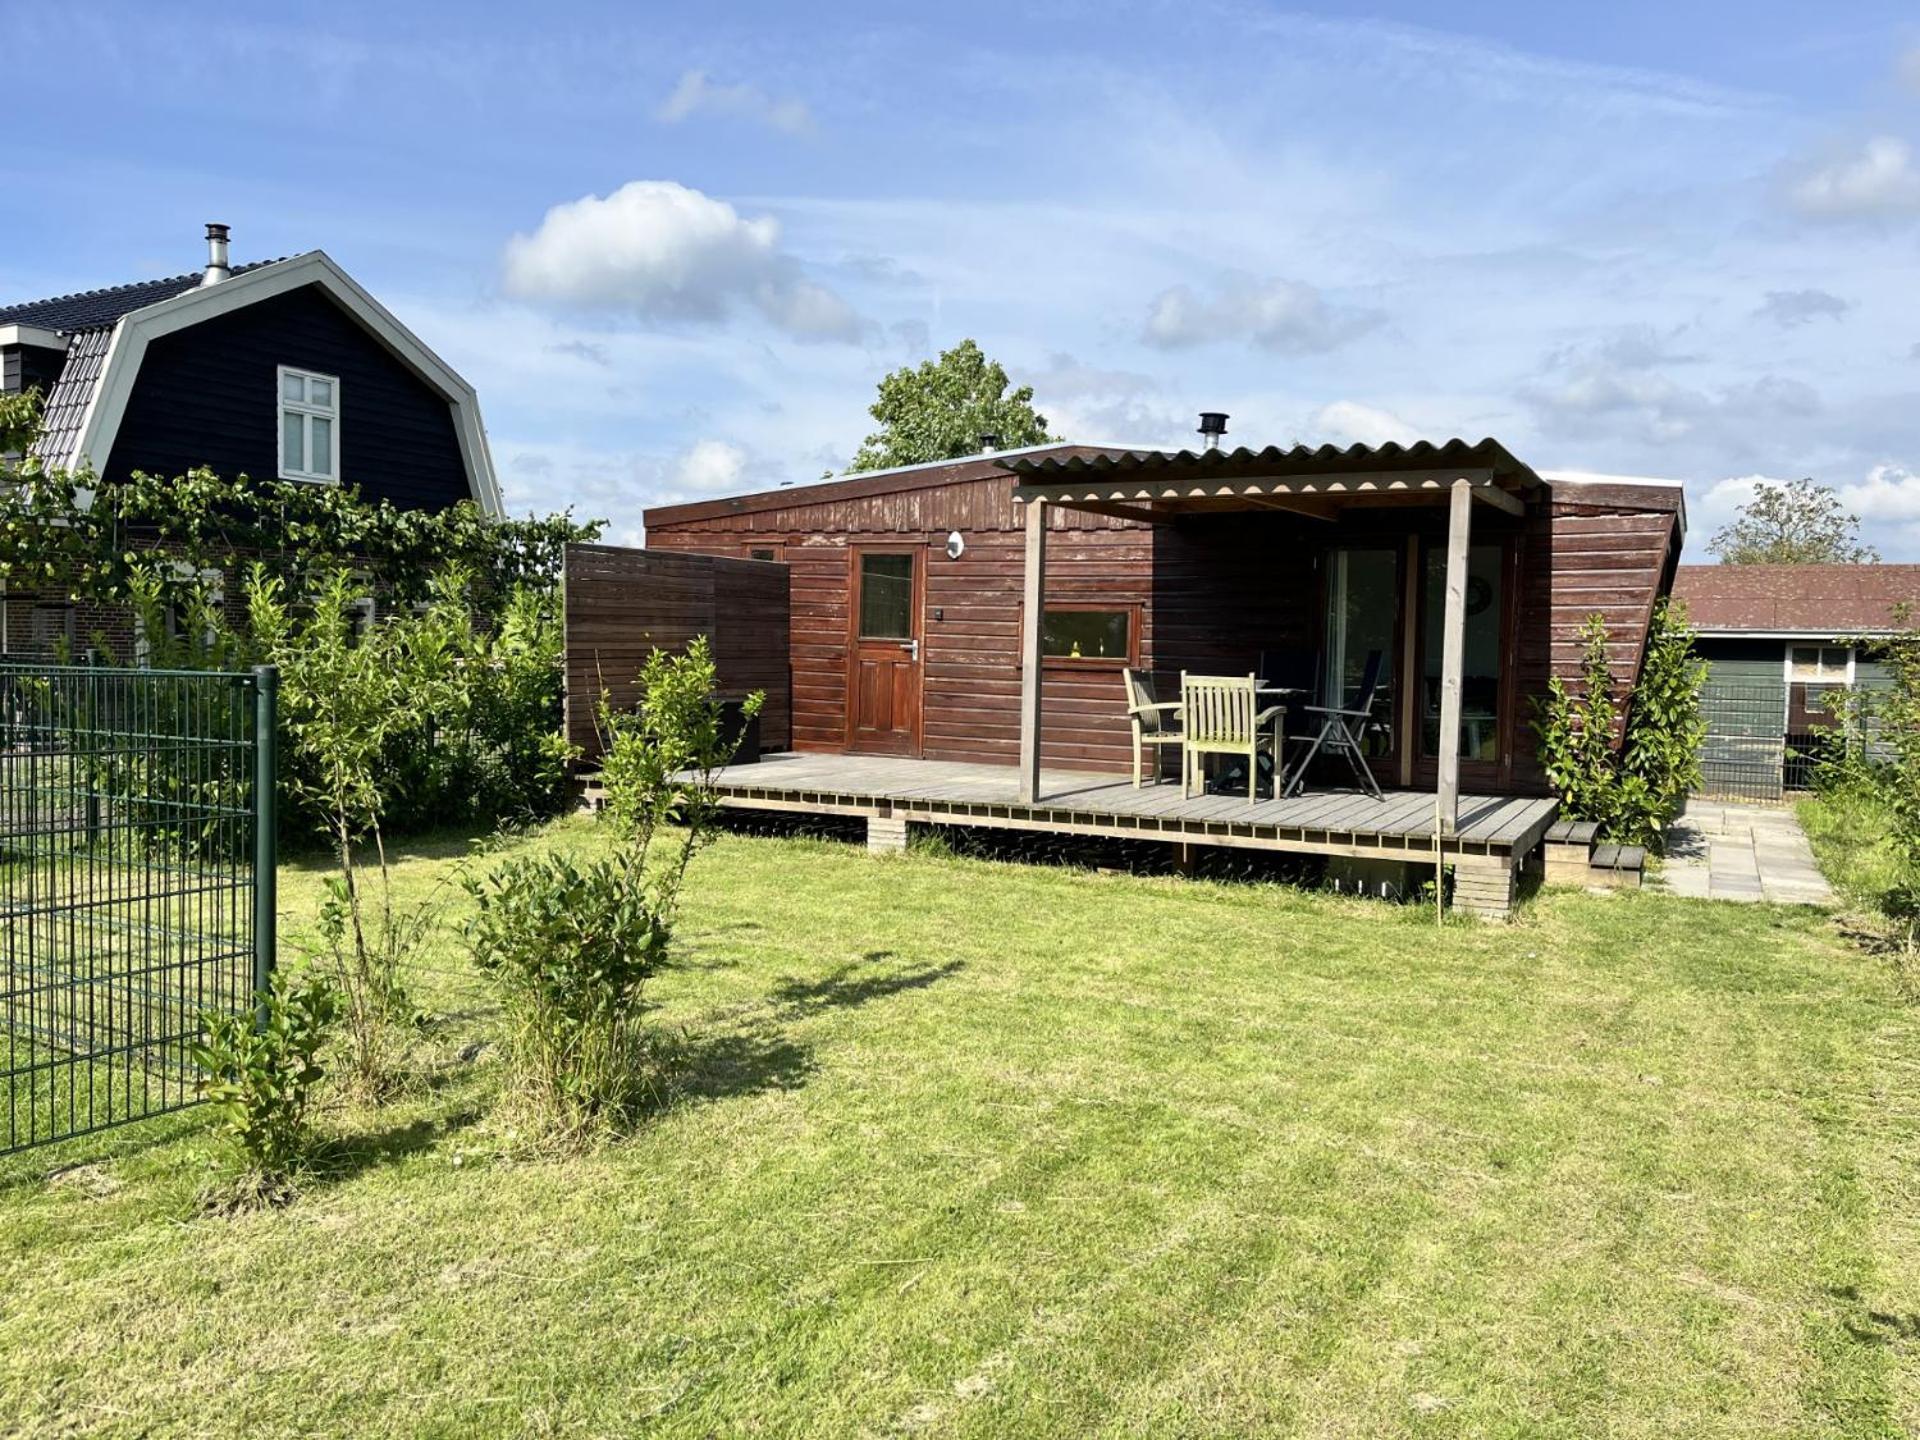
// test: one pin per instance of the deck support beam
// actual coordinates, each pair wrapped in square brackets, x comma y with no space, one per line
[1453,649]
[1032,599]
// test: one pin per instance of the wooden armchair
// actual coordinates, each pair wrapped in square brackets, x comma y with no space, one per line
[1223,717]
[1155,722]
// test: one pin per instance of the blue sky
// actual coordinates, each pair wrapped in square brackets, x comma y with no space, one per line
[675,247]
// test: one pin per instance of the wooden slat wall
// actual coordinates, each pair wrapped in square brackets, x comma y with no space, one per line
[1213,593]
[1582,558]
[622,604]
[972,656]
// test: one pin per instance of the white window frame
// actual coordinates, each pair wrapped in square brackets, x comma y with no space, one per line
[309,412]
[1821,676]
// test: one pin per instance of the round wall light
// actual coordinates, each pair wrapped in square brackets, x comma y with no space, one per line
[956,547]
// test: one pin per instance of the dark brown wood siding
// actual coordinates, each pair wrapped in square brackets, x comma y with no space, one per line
[1213,593]
[209,395]
[623,604]
[971,674]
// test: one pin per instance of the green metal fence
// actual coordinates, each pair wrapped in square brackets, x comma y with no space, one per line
[1745,755]
[136,884]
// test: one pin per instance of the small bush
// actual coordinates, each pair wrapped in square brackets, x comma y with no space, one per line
[572,946]
[259,1071]
[1633,791]
[1872,761]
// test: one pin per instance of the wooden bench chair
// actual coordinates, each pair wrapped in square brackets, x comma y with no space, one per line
[1156,723]
[1222,715]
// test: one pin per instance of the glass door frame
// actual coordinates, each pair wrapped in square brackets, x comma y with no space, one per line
[1426,767]
[1390,766]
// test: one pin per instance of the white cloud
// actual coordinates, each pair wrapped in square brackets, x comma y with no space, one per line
[697,92]
[1347,422]
[1787,308]
[1287,316]
[1879,181]
[1615,390]
[665,252]
[1886,500]
[1889,494]
[1093,404]
[711,465]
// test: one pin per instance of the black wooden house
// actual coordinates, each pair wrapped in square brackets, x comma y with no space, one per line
[282,368]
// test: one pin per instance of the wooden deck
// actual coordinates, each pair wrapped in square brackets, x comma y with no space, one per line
[1495,831]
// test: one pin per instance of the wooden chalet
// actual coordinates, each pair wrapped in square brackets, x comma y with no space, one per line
[955,633]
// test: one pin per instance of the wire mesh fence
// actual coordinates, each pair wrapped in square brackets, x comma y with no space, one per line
[136,884]
[1745,753]
[1762,744]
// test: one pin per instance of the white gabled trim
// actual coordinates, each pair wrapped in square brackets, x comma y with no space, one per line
[136,329]
[32,335]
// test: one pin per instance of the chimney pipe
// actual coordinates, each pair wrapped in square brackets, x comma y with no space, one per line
[989,443]
[217,267]
[1213,425]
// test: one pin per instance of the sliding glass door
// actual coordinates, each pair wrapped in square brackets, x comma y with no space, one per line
[1480,672]
[1363,616]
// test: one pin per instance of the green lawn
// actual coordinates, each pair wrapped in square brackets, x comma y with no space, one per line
[977,1149]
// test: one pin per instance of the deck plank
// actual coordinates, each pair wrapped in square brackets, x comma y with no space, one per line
[1335,817]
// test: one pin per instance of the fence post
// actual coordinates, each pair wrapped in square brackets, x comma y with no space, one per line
[266,694]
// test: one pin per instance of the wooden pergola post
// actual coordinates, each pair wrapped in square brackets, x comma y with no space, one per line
[1032,599]
[1453,650]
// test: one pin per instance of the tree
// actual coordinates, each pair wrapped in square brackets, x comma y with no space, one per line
[940,409]
[19,424]
[1798,523]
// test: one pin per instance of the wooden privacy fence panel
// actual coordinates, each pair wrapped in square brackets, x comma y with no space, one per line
[622,604]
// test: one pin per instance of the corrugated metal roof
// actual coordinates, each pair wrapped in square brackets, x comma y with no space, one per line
[1273,461]
[1824,600]
[87,308]
[66,405]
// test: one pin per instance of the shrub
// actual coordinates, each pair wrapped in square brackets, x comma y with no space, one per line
[1890,729]
[259,1071]
[344,698]
[1634,791]
[572,946]
[1665,722]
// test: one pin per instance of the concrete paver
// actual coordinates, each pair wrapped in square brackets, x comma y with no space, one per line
[1720,851]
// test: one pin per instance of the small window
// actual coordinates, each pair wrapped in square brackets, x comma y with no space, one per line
[886,597]
[1091,635]
[309,426]
[763,552]
[1819,664]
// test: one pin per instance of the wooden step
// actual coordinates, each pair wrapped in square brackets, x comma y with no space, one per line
[1620,867]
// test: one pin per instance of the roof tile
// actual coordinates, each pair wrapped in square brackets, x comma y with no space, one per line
[1828,600]
[87,308]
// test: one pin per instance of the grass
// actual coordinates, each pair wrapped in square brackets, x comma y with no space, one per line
[1852,836]
[971,1149]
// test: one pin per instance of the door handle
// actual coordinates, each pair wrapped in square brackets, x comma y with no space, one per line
[913,649]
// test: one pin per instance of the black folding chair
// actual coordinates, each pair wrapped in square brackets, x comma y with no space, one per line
[1340,730]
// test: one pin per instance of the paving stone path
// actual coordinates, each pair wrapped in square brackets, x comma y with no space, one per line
[1719,851]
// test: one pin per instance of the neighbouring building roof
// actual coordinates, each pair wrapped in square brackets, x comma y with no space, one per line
[1773,600]
[87,308]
